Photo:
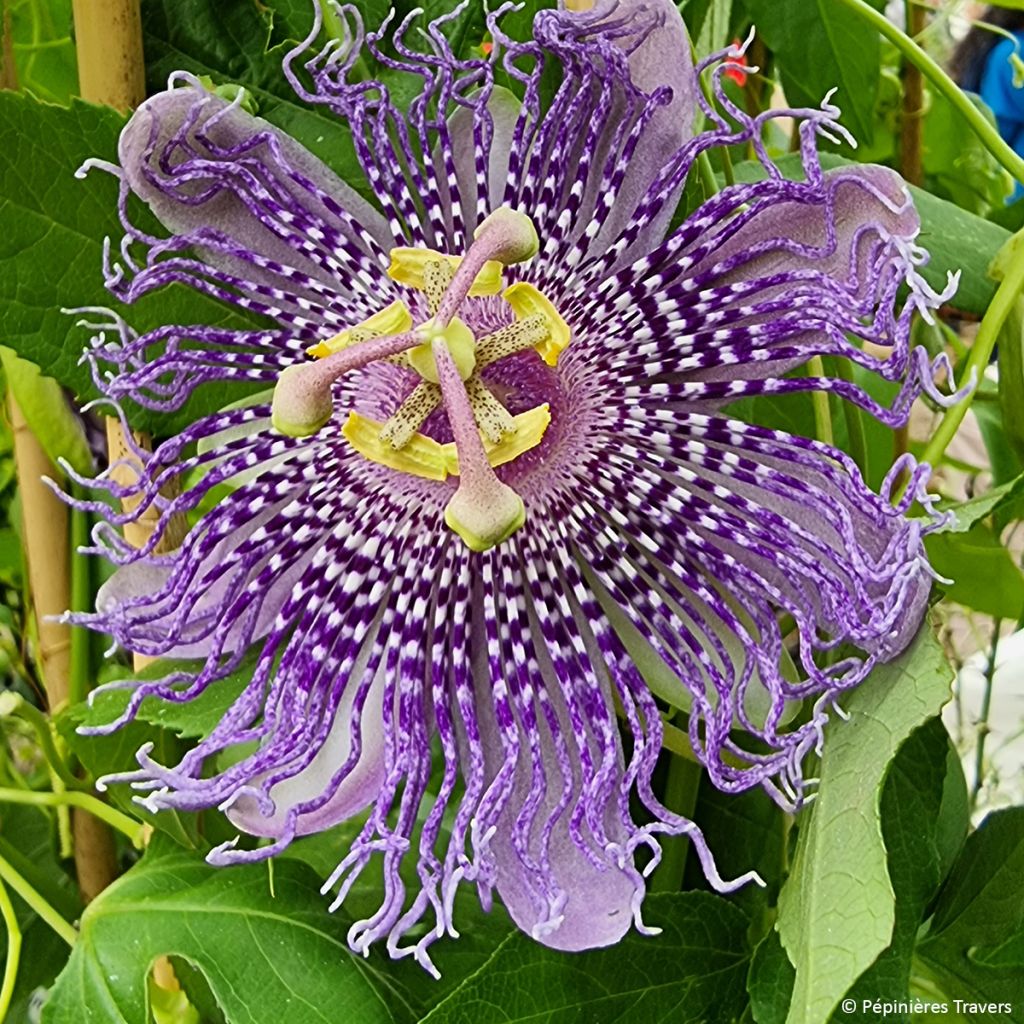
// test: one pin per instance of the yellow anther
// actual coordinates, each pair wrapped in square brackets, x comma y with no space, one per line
[529,428]
[425,457]
[525,301]
[461,344]
[393,319]
[407,268]
[420,456]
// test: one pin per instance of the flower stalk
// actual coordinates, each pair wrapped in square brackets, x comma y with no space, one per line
[13,958]
[931,69]
[10,876]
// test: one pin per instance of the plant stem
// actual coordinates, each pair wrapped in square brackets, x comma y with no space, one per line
[13,951]
[681,797]
[36,902]
[913,104]
[819,400]
[981,353]
[707,176]
[986,707]
[12,703]
[858,444]
[131,828]
[986,132]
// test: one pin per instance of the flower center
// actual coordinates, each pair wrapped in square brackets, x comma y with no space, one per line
[448,358]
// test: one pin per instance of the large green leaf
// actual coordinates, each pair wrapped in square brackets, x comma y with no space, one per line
[268,954]
[985,575]
[821,45]
[694,971]
[836,910]
[232,43]
[974,950]
[924,823]
[52,228]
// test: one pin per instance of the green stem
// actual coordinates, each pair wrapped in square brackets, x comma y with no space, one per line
[707,175]
[986,707]
[819,400]
[13,951]
[980,355]
[12,703]
[858,443]
[680,797]
[943,83]
[85,801]
[36,903]
[727,171]
[677,742]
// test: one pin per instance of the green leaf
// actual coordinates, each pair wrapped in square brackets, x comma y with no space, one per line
[279,957]
[44,52]
[770,981]
[957,240]
[985,575]
[52,228]
[957,164]
[925,818]
[972,950]
[839,885]
[193,719]
[694,971]
[46,410]
[968,513]
[821,45]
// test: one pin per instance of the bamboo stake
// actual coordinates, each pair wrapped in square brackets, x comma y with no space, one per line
[108,39]
[913,103]
[108,36]
[48,557]
[111,71]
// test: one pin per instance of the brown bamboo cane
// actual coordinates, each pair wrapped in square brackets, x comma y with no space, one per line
[48,560]
[108,35]
[111,71]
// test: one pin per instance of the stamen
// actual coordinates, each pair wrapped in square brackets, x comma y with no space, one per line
[494,420]
[528,302]
[483,511]
[515,337]
[505,236]
[425,457]
[411,414]
[302,401]
[437,276]
[408,265]
[393,319]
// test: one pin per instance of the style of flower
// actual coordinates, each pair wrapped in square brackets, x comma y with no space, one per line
[497,515]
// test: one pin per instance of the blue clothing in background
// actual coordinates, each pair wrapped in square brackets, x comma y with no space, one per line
[1007,101]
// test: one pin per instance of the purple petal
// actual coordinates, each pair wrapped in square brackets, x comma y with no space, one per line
[255,204]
